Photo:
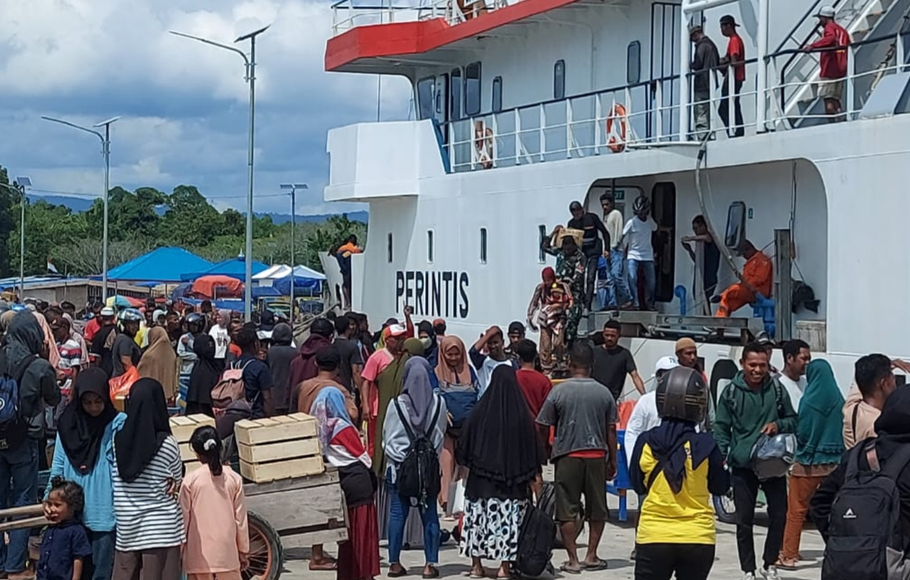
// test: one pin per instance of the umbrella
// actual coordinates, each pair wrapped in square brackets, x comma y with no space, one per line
[118,302]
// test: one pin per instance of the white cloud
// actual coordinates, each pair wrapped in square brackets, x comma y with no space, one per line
[184,104]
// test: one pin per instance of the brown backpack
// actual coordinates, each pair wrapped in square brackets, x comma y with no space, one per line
[229,388]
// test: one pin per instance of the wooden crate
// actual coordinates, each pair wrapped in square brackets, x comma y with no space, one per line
[183,427]
[277,451]
[275,429]
[285,469]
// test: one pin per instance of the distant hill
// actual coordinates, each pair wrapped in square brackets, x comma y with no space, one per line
[78,204]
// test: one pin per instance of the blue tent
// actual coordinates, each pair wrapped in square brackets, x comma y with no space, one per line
[235,268]
[303,286]
[159,265]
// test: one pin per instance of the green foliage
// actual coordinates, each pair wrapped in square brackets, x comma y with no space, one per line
[147,218]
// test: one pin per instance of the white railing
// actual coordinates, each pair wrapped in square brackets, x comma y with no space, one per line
[600,123]
[803,68]
[646,114]
[348,14]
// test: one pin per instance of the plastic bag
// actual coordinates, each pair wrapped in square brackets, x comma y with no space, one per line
[120,386]
[773,456]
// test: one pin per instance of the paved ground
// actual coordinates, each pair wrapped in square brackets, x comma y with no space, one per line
[615,548]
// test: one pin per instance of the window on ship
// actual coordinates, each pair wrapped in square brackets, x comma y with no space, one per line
[425,104]
[472,84]
[483,245]
[430,246]
[455,95]
[559,80]
[633,63]
[496,105]
[390,247]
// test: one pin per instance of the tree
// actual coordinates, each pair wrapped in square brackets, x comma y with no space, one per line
[234,223]
[189,220]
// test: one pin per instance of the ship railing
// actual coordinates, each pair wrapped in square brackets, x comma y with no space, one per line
[605,122]
[858,84]
[348,14]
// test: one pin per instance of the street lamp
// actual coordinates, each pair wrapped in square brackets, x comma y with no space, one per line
[106,152]
[18,187]
[250,64]
[293,187]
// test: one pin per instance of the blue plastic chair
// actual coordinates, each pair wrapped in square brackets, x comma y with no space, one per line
[622,482]
[765,309]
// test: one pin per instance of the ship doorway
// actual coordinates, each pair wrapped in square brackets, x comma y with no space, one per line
[663,210]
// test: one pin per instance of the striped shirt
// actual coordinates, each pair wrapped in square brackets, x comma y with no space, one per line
[147,517]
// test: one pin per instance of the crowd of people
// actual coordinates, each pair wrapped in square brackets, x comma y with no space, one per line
[432,441]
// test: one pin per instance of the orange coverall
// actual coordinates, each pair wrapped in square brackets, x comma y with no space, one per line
[759,272]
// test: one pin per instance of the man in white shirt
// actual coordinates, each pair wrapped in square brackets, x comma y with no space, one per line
[644,416]
[793,376]
[640,251]
[617,290]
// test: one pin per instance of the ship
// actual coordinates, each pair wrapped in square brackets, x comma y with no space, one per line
[522,106]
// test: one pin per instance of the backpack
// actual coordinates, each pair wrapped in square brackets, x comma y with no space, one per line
[419,473]
[536,539]
[546,502]
[13,428]
[228,389]
[865,541]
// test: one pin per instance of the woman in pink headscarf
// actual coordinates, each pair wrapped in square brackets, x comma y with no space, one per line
[49,342]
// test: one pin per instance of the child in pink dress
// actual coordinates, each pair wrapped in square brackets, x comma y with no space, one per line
[214,509]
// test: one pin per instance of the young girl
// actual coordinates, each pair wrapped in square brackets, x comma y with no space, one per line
[214,509]
[65,545]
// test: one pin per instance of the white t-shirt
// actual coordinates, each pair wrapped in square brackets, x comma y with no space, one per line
[485,373]
[637,235]
[794,388]
[222,339]
[644,417]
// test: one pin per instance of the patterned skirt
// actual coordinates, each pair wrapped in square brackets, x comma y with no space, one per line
[491,527]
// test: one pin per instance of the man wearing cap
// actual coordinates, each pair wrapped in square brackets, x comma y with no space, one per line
[704,62]
[833,62]
[516,333]
[103,340]
[734,59]
[595,243]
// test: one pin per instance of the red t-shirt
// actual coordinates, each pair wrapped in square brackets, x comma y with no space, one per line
[736,52]
[535,386]
[833,62]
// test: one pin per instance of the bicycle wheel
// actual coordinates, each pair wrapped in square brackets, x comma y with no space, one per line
[266,553]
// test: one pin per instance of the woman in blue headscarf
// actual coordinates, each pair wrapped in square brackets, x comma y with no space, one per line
[358,558]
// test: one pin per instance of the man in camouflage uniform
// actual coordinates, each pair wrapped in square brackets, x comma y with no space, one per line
[570,268]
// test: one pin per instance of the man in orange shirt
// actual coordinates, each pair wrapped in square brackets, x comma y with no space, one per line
[735,60]
[758,272]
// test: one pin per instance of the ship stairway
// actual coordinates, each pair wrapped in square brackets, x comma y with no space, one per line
[798,74]
[672,326]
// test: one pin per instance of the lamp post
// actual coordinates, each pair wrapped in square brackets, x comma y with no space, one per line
[293,187]
[250,64]
[19,187]
[106,153]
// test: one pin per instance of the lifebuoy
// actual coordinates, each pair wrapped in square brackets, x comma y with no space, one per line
[483,145]
[616,140]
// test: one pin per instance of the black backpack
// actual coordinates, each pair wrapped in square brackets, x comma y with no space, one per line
[535,542]
[419,473]
[546,501]
[13,427]
[865,541]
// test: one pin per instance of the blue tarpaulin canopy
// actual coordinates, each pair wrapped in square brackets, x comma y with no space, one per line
[159,265]
[302,286]
[235,268]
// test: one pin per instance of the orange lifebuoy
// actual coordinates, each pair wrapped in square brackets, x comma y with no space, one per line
[483,145]
[616,141]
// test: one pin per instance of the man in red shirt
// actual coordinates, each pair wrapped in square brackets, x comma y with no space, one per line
[833,62]
[734,59]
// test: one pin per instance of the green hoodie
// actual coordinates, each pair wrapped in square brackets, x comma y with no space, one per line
[742,412]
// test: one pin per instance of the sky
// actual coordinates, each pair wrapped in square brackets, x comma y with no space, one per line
[184,105]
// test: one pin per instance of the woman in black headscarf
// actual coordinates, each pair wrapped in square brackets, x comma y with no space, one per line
[85,434]
[500,448]
[147,476]
[427,335]
[205,375]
